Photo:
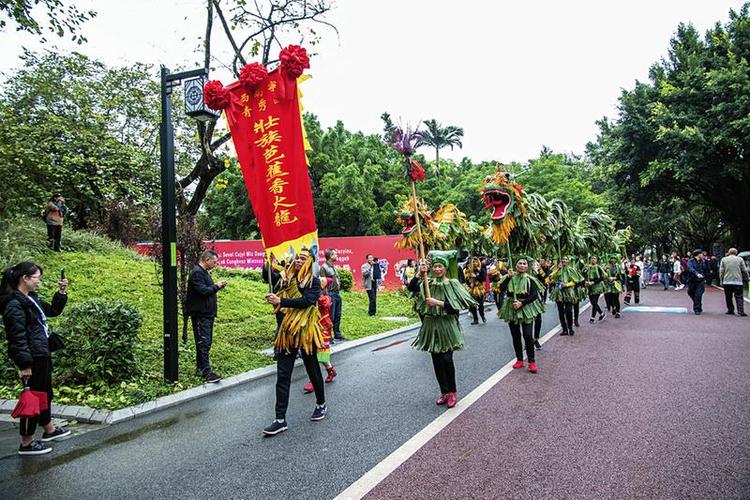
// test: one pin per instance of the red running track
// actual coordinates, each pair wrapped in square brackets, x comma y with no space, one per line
[651,405]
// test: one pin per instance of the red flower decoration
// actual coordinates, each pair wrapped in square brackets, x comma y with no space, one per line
[252,75]
[215,95]
[294,60]
[416,172]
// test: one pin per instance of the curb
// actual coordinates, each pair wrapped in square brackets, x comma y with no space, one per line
[93,416]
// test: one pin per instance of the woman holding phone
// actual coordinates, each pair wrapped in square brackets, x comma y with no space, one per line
[26,328]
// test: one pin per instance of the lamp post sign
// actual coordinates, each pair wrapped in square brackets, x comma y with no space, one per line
[196,108]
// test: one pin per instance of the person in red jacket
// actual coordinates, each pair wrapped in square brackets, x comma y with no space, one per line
[326,323]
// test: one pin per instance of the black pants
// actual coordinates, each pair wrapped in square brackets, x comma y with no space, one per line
[576,310]
[479,307]
[372,295]
[336,313]
[595,308]
[54,233]
[537,326]
[613,302]
[635,287]
[695,291]
[445,371]
[565,314]
[499,299]
[516,330]
[736,292]
[284,368]
[203,331]
[41,380]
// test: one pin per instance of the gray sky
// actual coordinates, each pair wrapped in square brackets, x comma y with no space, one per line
[515,75]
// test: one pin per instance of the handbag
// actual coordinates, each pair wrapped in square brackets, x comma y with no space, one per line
[56,341]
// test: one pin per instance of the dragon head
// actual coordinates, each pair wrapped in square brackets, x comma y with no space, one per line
[405,217]
[503,198]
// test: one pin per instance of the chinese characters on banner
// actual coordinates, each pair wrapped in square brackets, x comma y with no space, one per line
[266,127]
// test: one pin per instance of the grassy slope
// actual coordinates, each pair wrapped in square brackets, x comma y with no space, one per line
[244,326]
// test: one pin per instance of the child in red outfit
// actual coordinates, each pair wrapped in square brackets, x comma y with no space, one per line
[324,354]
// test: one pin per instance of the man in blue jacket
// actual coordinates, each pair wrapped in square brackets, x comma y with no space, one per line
[201,306]
[698,271]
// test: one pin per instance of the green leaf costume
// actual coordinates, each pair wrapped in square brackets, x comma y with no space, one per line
[519,288]
[564,287]
[597,274]
[440,330]
[613,271]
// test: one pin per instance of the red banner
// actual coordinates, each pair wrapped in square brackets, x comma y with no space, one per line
[352,253]
[266,127]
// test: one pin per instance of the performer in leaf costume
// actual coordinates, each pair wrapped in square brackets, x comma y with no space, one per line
[614,278]
[595,275]
[440,333]
[475,275]
[520,308]
[564,280]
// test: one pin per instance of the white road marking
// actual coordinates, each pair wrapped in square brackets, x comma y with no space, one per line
[374,476]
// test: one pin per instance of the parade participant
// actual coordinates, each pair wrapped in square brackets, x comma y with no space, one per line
[538,273]
[521,307]
[595,284]
[697,272]
[326,323]
[633,282]
[613,286]
[299,332]
[440,333]
[564,293]
[474,276]
[496,275]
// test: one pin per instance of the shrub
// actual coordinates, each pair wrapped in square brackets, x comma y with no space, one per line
[239,272]
[100,342]
[346,279]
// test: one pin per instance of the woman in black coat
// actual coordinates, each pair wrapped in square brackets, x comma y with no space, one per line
[25,320]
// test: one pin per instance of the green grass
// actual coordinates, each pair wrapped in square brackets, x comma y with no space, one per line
[244,326]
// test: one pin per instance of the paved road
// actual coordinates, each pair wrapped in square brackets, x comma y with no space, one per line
[648,406]
[212,447]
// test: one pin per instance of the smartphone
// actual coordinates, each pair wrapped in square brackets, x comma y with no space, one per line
[62,274]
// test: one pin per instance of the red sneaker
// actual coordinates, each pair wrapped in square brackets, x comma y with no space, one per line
[308,388]
[442,399]
[518,364]
[451,399]
[331,374]
[532,367]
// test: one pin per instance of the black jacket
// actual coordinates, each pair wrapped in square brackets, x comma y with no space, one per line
[309,297]
[24,329]
[201,294]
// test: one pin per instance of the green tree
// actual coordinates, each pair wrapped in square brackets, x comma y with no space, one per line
[685,134]
[439,137]
[70,124]
[61,18]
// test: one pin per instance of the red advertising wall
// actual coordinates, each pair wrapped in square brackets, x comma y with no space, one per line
[352,252]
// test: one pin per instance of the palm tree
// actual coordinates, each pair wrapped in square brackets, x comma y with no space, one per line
[439,137]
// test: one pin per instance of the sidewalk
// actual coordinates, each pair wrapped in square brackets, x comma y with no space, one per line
[653,405]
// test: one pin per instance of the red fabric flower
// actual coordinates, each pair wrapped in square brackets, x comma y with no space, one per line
[215,95]
[416,171]
[294,60]
[252,75]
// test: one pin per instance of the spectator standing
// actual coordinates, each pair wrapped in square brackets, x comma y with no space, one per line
[201,305]
[677,272]
[639,263]
[54,215]
[27,331]
[407,272]
[733,276]
[328,270]
[370,277]
[664,268]
[633,282]
[697,272]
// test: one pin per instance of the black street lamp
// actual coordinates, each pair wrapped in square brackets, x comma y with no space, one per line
[195,107]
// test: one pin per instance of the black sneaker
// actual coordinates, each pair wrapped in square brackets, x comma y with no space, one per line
[537,345]
[340,337]
[742,314]
[731,313]
[474,323]
[617,315]
[275,428]
[34,448]
[319,413]
[602,316]
[577,324]
[484,320]
[592,320]
[58,433]
[211,378]
[572,332]
[564,332]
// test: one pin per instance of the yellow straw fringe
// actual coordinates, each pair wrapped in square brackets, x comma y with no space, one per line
[501,232]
